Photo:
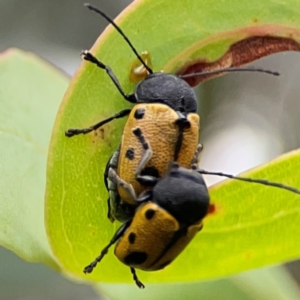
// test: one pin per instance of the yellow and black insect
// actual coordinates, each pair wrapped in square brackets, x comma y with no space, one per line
[167,219]
[173,137]
[165,109]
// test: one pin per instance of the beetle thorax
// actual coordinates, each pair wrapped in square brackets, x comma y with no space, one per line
[168,89]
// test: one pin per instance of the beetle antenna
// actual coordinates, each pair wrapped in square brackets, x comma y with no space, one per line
[91,7]
[259,181]
[212,72]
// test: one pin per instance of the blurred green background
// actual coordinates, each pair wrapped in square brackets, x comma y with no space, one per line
[246,119]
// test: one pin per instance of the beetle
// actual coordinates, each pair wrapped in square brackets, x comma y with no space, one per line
[167,219]
[165,109]
[172,136]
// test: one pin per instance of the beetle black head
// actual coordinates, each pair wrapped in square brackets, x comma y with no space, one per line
[183,193]
[167,89]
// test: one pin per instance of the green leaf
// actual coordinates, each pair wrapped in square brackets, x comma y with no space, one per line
[30,91]
[252,224]
[264,284]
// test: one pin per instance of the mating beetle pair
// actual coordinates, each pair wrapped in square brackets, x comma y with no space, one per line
[167,212]
[161,208]
[168,216]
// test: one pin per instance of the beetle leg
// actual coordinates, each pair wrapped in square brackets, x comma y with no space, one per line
[144,179]
[109,214]
[136,279]
[182,122]
[112,175]
[194,163]
[117,235]
[145,196]
[73,131]
[86,55]
[112,163]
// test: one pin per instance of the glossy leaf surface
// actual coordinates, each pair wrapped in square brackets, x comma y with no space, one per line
[30,92]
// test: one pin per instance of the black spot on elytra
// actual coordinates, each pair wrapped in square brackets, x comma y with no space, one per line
[150,171]
[131,238]
[149,213]
[139,113]
[163,265]
[135,258]
[137,131]
[130,154]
